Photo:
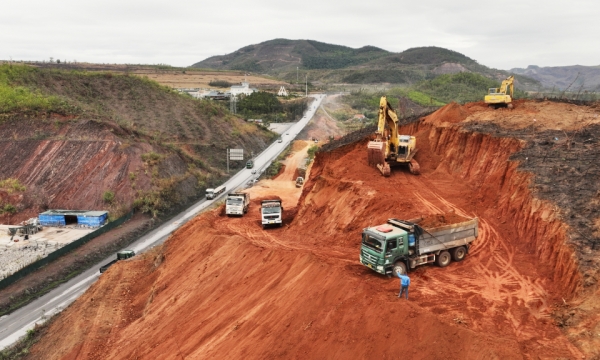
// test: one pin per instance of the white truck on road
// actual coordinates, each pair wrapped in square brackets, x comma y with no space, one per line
[237,204]
[213,193]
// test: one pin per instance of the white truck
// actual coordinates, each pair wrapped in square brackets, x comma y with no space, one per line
[213,193]
[272,213]
[237,204]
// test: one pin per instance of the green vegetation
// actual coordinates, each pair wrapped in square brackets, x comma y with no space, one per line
[311,152]
[461,88]
[276,165]
[151,158]
[430,55]
[267,106]
[21,349]
[7,209]
[17,98]
[383,76]
[220,83]
[108,196]
[331,56]
[12,185]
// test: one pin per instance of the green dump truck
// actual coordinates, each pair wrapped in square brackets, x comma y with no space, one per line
[121,255]
[401,245]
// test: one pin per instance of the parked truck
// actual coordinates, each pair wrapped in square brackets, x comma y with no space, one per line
[213,193]
[237,204]
[399,246]
[272,213]
[121,255]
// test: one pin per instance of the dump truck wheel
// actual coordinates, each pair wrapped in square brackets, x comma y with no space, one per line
[459,253]
[443,259]
[399,268]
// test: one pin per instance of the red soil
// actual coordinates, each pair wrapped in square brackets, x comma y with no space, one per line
[224,288]
[435,220]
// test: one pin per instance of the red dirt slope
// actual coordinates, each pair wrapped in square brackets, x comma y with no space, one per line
[225,288]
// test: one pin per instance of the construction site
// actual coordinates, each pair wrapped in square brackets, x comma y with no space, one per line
[224,287]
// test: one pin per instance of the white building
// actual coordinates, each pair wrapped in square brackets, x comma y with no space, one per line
[282,92]
[242,89]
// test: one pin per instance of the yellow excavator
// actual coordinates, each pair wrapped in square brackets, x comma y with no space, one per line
[389,148]
[498,97]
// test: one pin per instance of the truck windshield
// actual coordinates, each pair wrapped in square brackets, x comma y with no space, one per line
[370,241]
[271,210]
[234,201]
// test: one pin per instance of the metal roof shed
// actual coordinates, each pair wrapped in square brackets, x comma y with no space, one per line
[68,217]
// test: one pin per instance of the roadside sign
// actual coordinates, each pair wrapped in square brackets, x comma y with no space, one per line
[236,154]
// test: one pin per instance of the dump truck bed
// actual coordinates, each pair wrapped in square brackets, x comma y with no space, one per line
[447,236]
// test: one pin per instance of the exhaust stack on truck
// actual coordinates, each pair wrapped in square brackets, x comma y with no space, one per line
[400,245]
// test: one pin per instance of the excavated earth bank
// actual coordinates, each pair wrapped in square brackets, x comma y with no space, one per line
[224,288]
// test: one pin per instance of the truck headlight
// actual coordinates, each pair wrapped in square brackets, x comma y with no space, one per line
[380,268]
[360,258]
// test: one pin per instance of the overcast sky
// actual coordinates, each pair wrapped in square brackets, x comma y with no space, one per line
[499,34]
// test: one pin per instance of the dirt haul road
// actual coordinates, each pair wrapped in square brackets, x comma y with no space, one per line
[225,288]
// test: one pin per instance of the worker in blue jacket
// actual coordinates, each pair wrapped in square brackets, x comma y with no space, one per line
[404,283]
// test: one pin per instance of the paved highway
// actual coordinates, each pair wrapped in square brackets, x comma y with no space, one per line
[16,324]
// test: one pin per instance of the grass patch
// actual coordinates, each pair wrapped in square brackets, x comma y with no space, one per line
[12,185]
[21,348]
[276,165]
[15,98]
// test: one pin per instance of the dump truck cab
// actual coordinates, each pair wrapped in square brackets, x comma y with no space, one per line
[271,213]
[383,246]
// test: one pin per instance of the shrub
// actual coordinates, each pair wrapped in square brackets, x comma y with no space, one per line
[8,209]
[12,185]
[108,197]
[220,83]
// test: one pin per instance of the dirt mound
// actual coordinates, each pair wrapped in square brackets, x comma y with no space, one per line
[436,220]
[228,288]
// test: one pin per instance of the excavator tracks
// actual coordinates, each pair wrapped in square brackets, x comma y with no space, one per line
[414,167]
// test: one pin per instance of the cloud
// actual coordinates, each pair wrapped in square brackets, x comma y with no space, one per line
[501,35]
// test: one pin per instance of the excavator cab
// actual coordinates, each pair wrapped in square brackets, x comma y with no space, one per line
[390,148]
[502,96]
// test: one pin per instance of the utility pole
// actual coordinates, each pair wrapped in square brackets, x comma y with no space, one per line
[297,75]
[306,79]
[228,160]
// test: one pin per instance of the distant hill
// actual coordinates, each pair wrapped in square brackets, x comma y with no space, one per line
[283,54]
[560,77]
[330,63]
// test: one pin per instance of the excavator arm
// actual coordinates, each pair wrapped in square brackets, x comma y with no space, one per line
[506,85]
[386,146]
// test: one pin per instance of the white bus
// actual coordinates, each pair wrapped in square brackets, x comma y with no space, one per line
[213,193]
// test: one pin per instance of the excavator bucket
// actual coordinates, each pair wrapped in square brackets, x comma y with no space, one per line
[376,156]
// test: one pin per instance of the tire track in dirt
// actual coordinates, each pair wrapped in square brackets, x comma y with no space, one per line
[495,280]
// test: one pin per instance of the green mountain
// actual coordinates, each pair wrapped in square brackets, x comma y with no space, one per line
[282,54]
[328,63]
